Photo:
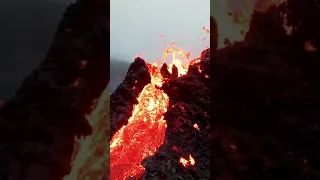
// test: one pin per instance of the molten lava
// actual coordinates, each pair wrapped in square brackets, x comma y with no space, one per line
[91,153]
[145,131]
[143,134]
[140,138]
[189,162]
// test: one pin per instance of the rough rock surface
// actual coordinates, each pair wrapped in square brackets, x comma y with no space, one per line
[39,124]
[189,104]
[265,103]
[125,96]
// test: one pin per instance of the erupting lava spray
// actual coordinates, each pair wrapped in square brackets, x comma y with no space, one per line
[140,138]
[145,131]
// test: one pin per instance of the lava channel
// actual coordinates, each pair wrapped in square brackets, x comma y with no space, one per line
[143,134]
[145,131]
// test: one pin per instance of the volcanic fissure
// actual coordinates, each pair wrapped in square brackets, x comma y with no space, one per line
[144,118]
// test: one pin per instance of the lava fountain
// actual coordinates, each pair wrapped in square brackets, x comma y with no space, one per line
[145,131]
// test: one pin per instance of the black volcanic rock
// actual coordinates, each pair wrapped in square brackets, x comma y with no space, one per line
[189,104]
[125,96]
[38,126]
[265,106]
[164,71]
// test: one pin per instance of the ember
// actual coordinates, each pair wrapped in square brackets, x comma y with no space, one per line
[196,127]
[186,162]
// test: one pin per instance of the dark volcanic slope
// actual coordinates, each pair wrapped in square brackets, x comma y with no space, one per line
[39,124]
[126,94]
[189,103]
[265,105]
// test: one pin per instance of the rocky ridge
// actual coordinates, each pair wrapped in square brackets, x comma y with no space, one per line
[189,104]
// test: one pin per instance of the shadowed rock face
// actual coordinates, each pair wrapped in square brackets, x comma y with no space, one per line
[39,123]
[265,104]
[125,96]
[213,34]
[189,104]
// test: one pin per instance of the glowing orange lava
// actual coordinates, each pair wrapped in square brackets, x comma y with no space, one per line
[145,131]
[189,162]
[141,137]
[196,127]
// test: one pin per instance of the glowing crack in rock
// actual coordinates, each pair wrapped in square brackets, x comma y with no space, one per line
[187,162]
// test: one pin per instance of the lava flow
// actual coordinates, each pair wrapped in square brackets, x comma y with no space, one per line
[145,131]
[91,153]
